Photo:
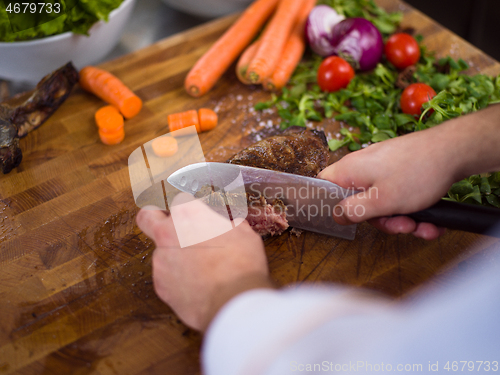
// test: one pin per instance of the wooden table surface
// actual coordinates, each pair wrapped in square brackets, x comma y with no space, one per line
[75,271]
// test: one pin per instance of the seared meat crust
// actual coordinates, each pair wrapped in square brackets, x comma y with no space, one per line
[297,150]
[19,116]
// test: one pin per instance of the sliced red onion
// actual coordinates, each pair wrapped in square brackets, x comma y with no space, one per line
[320,23]
[358,41]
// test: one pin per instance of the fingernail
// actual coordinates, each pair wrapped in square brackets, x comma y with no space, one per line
[152,208]
[338,214]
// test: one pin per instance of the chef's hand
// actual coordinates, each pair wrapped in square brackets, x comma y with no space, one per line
[197,281]
[398,176]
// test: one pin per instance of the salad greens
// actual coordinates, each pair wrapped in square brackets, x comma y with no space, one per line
[385,22]
[370,103]
[477,189]
[75,15]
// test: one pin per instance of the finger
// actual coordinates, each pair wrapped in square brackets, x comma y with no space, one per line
[363,206]
[347,174]
[428,231]
[195,222]
[155,224]
[394,225]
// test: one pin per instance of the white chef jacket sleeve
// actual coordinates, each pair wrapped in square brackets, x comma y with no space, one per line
[338,331]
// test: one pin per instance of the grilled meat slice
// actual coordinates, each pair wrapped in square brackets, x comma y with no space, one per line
[297,150]
[265,218]
[21,115]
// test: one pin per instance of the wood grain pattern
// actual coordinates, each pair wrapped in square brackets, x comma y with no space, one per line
[75,271]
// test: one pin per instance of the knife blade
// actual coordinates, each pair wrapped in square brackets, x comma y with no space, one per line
[309,202]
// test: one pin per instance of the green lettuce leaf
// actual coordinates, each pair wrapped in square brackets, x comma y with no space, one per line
[76,16]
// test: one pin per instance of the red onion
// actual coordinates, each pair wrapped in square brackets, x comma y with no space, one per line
[320,23]
[359,42]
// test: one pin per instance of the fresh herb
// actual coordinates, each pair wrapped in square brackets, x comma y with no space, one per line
[370,103]
[477,189]
[385,22]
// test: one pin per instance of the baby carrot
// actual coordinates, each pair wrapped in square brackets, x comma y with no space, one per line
[110,89]
[165,146]
[108,119]
[208,119]
[273,40]
[210,67]
[182,120]
[111,138]
[244,60]
[294,49]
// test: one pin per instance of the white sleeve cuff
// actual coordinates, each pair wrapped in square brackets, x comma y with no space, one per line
[252,329]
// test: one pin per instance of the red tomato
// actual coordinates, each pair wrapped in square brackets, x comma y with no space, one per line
[334,73]
[414,96]
[402,50]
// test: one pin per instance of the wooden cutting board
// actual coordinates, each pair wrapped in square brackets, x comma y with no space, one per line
[75,271]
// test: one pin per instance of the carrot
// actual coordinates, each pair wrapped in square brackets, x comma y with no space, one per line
[182,120]
[204,119]
[112,138]
[208,119]
[165,146]
[108,119]
[294,49]
[110,89]
[210,67]
[273,40]
[244,60]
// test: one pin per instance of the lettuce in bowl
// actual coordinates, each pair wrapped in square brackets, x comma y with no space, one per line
[76,16]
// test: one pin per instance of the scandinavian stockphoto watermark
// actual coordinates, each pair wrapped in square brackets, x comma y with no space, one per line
[310,201]
[230,198]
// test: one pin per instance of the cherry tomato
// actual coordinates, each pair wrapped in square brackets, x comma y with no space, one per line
[402,50]
[334,73]
[414,96]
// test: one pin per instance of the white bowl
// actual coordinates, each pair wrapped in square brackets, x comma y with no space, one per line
[208,8]
[28,61]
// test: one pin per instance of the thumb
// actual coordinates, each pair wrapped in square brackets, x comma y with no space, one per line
[362,206]
[348,173]
[155,224]
[195,222]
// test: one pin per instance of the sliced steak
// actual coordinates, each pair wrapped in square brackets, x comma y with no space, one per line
[265,218]
[297,150]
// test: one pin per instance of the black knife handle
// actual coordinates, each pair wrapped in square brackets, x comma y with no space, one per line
[461,216]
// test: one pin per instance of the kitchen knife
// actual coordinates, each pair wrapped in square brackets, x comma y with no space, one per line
[309,201]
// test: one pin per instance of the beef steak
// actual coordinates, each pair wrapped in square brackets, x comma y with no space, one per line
[297,150]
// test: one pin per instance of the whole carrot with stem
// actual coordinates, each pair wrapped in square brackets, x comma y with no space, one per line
[244,60]
[212,65]
[293,51]
[110,89]
[273,40]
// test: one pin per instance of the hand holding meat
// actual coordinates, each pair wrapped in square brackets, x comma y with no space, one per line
[412,172]
[196,281]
